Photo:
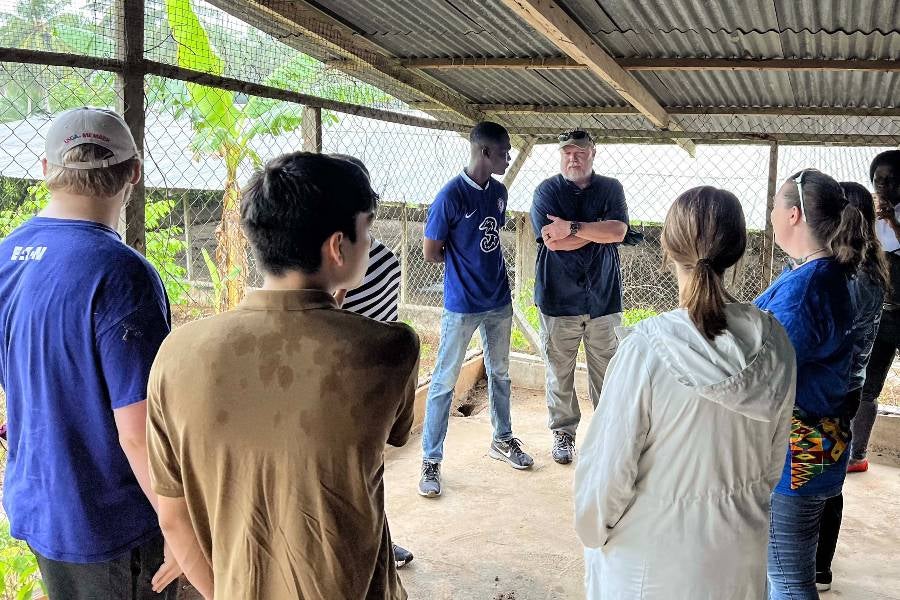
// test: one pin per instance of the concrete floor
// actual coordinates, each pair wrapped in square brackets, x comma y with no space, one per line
[501,534]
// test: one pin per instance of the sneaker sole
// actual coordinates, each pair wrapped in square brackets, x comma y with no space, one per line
[823,587]
[500,456]
[429,494]
[564,461]
[403,563]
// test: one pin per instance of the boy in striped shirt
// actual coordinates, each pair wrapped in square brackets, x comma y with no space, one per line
[377,298]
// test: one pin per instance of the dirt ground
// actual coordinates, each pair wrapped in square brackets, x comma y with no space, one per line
[500,534]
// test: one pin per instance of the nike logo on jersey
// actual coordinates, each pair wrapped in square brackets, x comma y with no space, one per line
[469,215]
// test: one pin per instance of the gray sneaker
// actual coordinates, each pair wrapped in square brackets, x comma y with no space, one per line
[430,483]
[511,452]
[563,447]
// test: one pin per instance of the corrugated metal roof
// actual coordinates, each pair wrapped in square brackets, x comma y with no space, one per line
[719,88]
[427,28]
[507,86]
[648,28]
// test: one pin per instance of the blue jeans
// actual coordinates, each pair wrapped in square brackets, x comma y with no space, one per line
[457,330]
[793,538]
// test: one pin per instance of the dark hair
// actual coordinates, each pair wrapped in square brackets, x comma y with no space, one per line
[874,263]
[488,132]
[890,158]
[353,160]
[833,221]
[296,202]
[705,233]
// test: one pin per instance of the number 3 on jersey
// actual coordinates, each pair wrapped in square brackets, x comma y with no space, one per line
[491,239]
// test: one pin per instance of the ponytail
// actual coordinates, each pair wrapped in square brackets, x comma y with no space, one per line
[705,297]
[848,241]
[705,234]
[874,264]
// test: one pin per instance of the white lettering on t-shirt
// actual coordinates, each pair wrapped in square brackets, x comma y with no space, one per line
[28,252]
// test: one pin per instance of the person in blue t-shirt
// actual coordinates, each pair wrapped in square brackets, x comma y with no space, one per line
[823,234]
[579,218]
[82,316]
[463,232]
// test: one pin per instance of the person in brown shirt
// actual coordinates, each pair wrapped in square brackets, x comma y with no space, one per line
[267,424]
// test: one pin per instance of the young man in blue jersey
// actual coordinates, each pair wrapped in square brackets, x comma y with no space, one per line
[82,316]
[463,232]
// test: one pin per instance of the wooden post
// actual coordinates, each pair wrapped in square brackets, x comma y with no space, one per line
[508,180]
[404,255]
[513,171]
[131,105]
[312,129]
[767,252]
[188,250]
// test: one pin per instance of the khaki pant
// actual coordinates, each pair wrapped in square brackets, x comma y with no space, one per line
[560,339]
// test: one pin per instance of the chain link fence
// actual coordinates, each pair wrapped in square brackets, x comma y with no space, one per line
[201,144]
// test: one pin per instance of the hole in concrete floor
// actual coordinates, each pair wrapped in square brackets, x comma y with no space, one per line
[474,402]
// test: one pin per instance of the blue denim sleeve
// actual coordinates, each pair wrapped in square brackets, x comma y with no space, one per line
[127,350]
[441,216]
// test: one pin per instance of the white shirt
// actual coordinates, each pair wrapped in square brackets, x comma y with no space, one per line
[886,235]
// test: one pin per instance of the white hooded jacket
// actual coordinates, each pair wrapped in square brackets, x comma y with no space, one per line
[675,473]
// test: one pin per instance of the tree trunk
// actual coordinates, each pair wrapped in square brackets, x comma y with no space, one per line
[231,249]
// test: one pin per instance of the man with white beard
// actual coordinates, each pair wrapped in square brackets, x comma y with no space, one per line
[578,217]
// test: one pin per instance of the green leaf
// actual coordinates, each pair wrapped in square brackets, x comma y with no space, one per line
[213,109]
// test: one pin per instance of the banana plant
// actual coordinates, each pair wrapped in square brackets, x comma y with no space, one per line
[224,128]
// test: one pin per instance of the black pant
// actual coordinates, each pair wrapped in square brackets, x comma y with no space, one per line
[127,577]
[830,526]
[883,353]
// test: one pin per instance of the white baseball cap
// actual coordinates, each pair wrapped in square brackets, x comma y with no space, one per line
[86,125]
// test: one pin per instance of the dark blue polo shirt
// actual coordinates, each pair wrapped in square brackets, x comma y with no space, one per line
[586,281]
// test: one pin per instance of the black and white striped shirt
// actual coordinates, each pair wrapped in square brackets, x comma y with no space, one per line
[377,297]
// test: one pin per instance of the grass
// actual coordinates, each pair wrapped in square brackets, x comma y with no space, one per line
[525,302]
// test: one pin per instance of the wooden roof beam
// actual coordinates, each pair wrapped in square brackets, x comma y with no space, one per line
[659,64]
[549,19]
[301,19]
[677,111]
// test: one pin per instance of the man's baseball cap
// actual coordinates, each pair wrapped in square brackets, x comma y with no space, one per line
[576,137]
[86,125]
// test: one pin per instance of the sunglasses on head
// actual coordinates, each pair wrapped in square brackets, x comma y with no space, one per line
[577,134]
[798,179]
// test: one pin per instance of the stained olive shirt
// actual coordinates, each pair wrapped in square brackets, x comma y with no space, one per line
[271,421]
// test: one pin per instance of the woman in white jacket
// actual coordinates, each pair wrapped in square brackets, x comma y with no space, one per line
[673,482]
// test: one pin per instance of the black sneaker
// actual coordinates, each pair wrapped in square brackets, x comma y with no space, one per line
[430,483]
[563,447]
[402,556]
[823,581]
[511,451]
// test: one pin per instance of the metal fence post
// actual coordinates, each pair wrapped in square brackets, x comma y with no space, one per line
[131,105]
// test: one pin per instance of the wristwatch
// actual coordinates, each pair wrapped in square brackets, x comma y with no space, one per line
[574,226]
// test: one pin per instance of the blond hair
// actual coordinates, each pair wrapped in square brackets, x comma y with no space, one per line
[103,182]
[705,234]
